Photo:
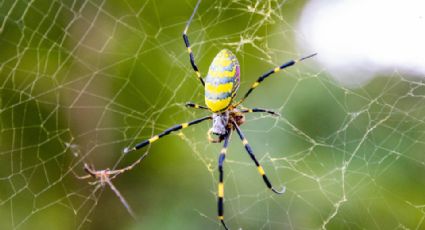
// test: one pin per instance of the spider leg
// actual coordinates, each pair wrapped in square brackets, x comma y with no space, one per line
[259,167]
[165,133]
[259,110]
[189,49]
[195,106]
[116,172]
[220,193]
[211,139]
[123,201]
[103,176]
[90,173]
[89,170]
[85,177]
[275,70]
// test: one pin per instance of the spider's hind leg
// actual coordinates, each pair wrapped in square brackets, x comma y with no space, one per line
[220,192]
[259,167]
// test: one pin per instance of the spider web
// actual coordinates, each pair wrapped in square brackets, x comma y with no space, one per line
[82,80]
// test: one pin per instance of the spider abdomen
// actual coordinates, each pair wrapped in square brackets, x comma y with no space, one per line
[222,81]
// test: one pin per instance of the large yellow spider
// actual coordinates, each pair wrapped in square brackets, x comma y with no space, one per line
[221,85]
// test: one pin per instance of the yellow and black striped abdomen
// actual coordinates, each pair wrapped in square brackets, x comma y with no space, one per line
[222,81]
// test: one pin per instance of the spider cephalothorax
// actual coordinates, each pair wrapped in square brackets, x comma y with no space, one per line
[223,123]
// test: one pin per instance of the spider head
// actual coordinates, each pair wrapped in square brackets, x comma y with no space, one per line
[220,121]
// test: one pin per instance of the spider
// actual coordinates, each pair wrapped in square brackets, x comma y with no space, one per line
[221,85]
[104,177]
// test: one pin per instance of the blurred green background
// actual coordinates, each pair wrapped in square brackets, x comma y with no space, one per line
[82,80]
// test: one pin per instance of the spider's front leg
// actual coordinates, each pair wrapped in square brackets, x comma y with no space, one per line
[189,49]
[270,72]
[164,133]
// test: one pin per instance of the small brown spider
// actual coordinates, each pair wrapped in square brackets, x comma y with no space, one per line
[103,177]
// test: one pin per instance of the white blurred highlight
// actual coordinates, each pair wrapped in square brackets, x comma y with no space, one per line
[356,39]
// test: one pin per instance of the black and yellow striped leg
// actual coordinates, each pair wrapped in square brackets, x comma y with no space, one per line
[275,70]
[259,167]
[259,110]
[195,106]
[165,133]
[189,49]
[220,193]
